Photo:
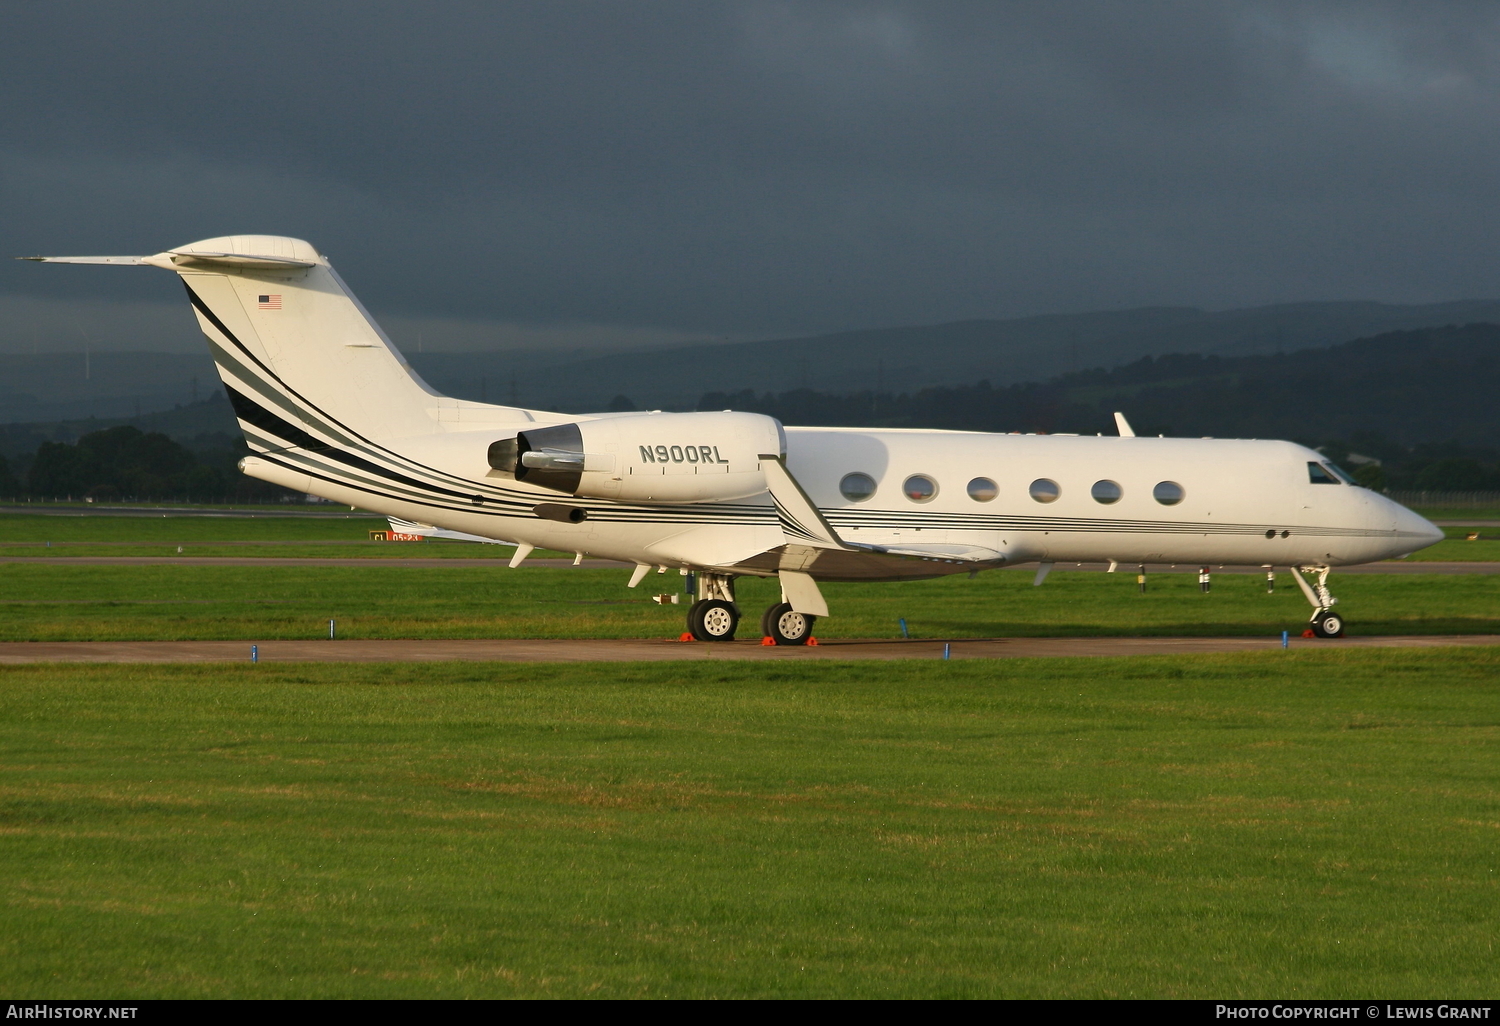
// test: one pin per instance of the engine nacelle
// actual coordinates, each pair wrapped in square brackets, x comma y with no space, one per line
[653,457]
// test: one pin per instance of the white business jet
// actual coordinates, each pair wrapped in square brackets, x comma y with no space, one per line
[329,406]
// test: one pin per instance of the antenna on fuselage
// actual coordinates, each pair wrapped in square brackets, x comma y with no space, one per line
[1126,431]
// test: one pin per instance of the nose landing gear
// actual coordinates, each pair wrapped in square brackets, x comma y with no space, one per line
[1325,622]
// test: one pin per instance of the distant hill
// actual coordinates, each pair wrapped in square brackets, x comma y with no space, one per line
[117,385]
[208,424]
[1407,387]
[63,386]
[1422,400]
[1002,352]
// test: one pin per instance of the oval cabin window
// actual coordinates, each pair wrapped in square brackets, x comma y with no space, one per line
[857,487]
[1106,492]
[1043,490]
[1168,493]
[919,488]
[982,489]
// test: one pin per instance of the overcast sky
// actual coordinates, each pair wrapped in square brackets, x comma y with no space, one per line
[623,173]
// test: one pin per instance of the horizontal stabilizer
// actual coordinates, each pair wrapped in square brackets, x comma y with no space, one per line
[127,261]
[186,259]
[180,258]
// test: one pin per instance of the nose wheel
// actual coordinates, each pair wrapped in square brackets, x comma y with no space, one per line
[785,626]
[1325,622]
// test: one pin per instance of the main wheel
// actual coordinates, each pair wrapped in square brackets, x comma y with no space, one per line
[692,618]
[786,626]
[713,620]
[1328,625]
[765,619]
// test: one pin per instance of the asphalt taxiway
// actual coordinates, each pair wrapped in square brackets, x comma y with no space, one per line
[661,650]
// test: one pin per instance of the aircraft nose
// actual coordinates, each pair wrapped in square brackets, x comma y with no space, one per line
[1412,525]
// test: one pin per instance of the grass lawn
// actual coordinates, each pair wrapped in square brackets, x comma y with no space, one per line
[1305,824]
[62,602]
[1462,515]
[1456,547]
[311,537]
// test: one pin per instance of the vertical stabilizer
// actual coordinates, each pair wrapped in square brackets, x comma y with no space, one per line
[319,390]
[286,331]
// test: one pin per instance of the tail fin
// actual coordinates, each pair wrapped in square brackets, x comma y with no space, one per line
[288,336]
[319,389]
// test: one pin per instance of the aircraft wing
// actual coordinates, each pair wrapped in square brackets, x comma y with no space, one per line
[812,546]
[937,551]
[801,520]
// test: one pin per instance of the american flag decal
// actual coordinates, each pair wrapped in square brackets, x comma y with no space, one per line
[270,302]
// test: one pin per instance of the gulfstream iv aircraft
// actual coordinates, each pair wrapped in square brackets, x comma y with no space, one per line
[329,406]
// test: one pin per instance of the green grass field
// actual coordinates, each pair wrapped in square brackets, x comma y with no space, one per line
[1319,824]
[61,602]
[1290,824]
[1457,548]
[309,537]
[1462,515]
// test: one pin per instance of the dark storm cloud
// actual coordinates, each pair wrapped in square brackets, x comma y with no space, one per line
[767,168]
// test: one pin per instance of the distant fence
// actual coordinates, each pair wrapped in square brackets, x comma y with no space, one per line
[1448,500]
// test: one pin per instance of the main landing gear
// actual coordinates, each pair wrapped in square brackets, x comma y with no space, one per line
[713,620]
[1325,622]
[785,626]
[715,617]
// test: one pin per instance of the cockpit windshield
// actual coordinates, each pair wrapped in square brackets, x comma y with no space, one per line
[1328,472]
[1340,473]
[1318,474]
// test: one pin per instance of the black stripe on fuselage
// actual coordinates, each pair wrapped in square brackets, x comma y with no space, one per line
[275,424]
[253,413]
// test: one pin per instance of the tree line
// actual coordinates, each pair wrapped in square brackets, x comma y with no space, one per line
[125,462]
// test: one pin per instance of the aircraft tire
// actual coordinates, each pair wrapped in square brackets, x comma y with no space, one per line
[1328,625]
[785,626]
[713,620]
[692,615]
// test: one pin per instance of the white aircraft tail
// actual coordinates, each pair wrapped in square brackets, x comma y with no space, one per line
[318,388]
[290,338]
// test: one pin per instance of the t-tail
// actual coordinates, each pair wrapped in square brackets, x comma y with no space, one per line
[313,379]
[294,347]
